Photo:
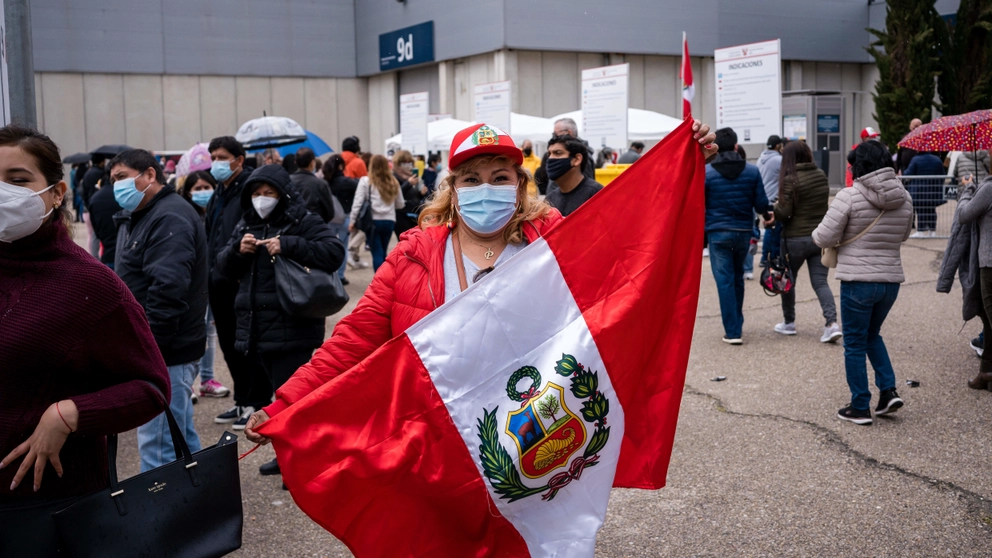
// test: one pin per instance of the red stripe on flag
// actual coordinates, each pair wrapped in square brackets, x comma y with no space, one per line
[374,457]
[631,257]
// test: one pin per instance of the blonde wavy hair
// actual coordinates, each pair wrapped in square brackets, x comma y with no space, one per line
[381,176]
[441,208]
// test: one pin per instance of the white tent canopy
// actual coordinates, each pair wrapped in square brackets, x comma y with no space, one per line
[642,125]
[439,134]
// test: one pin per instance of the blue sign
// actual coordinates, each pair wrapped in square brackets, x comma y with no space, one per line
[828,123]
[406,47]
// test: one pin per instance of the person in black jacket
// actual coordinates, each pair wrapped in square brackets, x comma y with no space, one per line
[223,212]
[316,193]
[87,188]
[413,190]
[162,258]
[343,188]
[275,223]
[102,209]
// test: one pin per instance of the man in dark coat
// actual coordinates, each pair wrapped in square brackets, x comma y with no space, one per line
[316,193]
[103,207]
[223,213]
[162,257]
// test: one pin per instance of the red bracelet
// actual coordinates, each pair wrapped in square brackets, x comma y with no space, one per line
[59,411]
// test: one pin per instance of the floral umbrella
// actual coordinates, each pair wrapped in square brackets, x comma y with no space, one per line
[197,158]
[961,132]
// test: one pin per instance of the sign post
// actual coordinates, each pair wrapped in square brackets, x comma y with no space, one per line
[413,121]
[493,104]
[604,106]
[749,90]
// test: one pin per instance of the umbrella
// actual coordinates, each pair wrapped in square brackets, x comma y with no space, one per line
[197,158]
[77,158]
[961,132]
[270,131]
[110,150]
[313,141]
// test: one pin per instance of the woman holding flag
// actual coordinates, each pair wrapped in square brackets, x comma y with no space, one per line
[480,216]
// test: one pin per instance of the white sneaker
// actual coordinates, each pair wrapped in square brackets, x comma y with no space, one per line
[786,329]
[357,264]
[735,341]
[831,333]
[706,252]
[749,276]
[919,234]
[932,234]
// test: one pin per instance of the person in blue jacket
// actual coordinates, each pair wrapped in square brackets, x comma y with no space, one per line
[928,193]
[734,192]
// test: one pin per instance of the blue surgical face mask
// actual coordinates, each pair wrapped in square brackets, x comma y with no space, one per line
[127,194]
[201,197]
[221,170]
[486,209]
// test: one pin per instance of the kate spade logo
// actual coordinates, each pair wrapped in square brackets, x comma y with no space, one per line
[157,487]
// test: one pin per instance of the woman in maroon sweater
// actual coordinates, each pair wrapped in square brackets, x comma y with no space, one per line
[77,359]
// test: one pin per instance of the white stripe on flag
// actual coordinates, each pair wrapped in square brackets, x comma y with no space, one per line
[523,314]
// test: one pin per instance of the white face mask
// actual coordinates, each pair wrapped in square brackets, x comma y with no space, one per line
[264,205]
[21,211]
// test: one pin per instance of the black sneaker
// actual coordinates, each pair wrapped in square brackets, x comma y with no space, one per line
[245,415]
[857,417]
[230,415]
[978,346]
[345,281]
[270,468]
[888,402]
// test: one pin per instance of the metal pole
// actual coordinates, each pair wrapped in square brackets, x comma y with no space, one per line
[20,62]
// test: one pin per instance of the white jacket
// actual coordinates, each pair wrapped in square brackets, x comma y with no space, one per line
[381,210]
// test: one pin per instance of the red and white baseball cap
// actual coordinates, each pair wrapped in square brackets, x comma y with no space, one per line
[482,139]
[869,132]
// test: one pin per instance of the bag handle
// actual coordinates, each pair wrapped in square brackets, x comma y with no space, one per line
[862,233]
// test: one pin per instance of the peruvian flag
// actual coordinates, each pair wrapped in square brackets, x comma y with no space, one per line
[688,89]
[497,425]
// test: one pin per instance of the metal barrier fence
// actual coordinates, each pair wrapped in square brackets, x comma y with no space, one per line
[935,198]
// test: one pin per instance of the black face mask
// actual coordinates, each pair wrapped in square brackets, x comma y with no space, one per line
[558,168]
[527,151]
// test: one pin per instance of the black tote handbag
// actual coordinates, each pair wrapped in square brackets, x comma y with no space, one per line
[190,508]
[305,292]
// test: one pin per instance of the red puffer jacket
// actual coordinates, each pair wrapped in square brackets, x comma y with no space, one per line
[407,287]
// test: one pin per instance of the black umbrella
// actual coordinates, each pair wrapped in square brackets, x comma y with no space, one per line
[110,150]
[76,159]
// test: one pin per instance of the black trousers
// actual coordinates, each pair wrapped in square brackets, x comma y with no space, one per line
[279,366]
[984,311]
[251,385]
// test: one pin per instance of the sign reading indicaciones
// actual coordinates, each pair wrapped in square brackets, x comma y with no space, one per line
[749,90]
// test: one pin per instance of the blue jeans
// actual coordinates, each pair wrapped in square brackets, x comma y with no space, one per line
[863,308]
[379,242]
[154,440]
[771,246]
[342,234]
[207,360]
[728,251]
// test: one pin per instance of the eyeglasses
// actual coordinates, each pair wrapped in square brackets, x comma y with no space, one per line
[481,273]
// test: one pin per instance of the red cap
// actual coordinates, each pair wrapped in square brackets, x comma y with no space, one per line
[482,139]
[869,132]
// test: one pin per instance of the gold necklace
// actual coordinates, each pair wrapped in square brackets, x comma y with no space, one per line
[489,249]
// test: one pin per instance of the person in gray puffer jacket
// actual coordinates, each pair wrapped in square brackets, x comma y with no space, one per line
[870,271]
[975,208]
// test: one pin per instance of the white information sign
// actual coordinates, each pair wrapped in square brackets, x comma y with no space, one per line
[604,106]
[492,104]
[414,109]
[749,90]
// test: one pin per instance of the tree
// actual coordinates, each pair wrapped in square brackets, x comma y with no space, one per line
[907,64]
[548,407]
[965,82]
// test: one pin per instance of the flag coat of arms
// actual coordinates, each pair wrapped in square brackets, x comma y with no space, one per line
[498,424]
[688,89]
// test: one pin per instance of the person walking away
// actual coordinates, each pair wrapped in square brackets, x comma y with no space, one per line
[223,212]
[354,166]
[316,193]
[163,261]
[770,165]
[275,223]
[198,190]
[63,386]
[343,188]
[869,267]
[91,179]
[974,209]
[927,193]
[382,190]
[632,154]
[734,192]
[569,187]
[531,163]
[102,209]
[803,200]
[412,189]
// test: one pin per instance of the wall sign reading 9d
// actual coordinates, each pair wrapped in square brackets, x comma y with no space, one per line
[407,46]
